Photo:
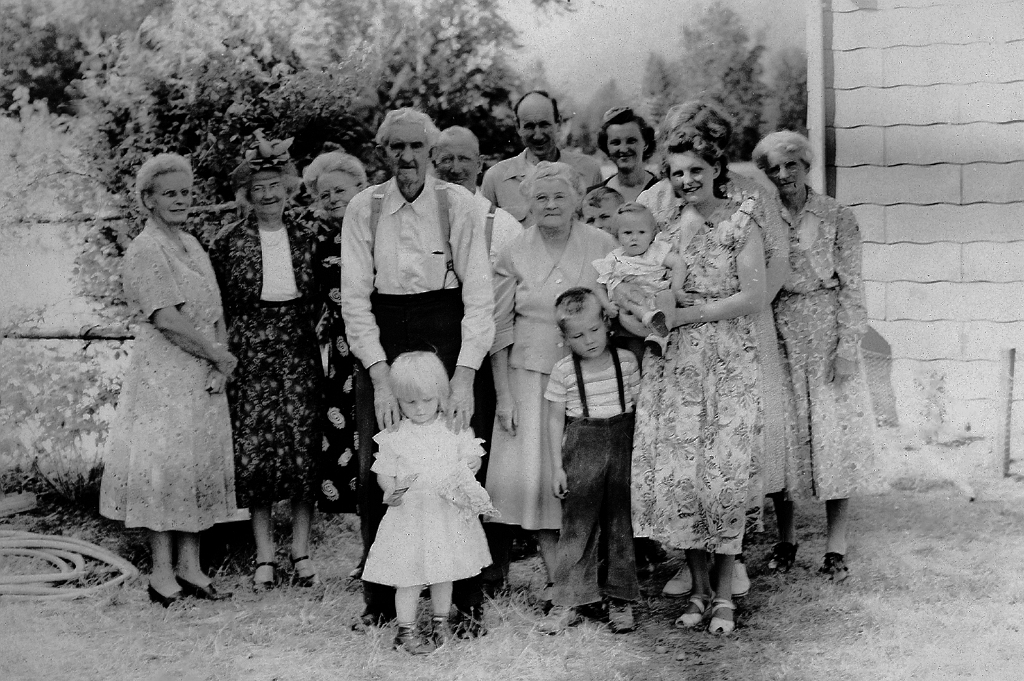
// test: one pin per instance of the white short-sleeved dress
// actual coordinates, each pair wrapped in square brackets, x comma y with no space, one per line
[435,535]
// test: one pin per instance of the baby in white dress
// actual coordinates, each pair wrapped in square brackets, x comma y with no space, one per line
[431,533]
[650,264]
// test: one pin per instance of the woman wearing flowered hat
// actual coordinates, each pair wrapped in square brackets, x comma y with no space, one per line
[265,265]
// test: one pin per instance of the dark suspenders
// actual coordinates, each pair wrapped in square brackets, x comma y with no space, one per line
[583,390]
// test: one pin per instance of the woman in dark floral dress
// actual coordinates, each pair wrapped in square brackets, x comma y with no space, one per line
[332,179]
[265,267]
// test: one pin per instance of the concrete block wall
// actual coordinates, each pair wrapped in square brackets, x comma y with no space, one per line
[925,141]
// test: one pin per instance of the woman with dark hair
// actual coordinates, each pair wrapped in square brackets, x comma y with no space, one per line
[768,474]
[265,264]
[169,466]
[699,410]
[628,141]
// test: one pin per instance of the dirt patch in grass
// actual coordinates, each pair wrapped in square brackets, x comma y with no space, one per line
[935,592]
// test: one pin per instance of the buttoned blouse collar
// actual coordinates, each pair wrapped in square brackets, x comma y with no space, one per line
[815,204]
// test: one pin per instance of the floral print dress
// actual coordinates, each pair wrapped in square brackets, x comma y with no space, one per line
[699,412]
[275,395]
[820,315]
[169,463]
[339,471]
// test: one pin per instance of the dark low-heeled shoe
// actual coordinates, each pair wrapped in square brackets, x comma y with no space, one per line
[306,581]
[157,597]
[261,586]
[207,592]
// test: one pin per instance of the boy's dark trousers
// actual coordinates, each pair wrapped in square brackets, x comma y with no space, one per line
[596,456]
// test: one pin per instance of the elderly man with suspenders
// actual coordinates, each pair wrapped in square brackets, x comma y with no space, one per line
[414,275]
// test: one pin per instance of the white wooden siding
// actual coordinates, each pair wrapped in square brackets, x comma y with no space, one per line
[925,134]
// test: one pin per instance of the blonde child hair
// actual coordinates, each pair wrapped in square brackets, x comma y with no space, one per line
[420,374]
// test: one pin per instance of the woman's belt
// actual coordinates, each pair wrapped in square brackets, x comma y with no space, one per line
[294,302]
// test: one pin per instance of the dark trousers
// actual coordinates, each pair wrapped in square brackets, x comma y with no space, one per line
[596,456]
[423,321]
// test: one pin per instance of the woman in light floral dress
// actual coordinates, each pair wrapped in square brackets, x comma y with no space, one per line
[821,318]
[169,466]
[699,411]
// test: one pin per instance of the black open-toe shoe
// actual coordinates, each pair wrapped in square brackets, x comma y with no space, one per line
[208,592]
[834,566]
[783,557]
[157,597]
[304,580]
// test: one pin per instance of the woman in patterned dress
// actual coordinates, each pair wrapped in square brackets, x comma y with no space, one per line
[768,474]
[332,179]
[699,411]
[265,265]
[169,465]
[821,318]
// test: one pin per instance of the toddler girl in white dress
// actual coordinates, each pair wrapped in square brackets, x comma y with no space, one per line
[431,533]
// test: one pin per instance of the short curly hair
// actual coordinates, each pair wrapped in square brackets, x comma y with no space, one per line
[783,142]
[332,162]
[572,302]
[161,164]
[553,170]
[409,115]
[624,116]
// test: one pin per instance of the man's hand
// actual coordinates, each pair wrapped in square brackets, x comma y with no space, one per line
[385,406]
[460,405]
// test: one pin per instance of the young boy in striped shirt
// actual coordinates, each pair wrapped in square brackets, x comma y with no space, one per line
[590,398]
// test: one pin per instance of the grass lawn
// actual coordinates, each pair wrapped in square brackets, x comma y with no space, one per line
[936,592]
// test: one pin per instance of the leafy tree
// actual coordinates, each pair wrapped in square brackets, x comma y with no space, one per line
[586,125]
[722,63]
[447,58]
[659,86]
[41,44]
[789,90]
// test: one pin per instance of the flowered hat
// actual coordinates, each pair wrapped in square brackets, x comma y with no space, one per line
[264,155]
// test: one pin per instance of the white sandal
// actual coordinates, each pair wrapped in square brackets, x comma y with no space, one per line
[689,620]
[719,625]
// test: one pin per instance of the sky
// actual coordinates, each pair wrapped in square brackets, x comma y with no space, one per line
[603,39]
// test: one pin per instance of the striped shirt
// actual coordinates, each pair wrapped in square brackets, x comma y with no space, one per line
[601,387]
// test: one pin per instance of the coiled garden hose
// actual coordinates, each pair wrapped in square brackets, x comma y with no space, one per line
[68,555]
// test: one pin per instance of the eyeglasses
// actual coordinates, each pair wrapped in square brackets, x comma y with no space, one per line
[615,112]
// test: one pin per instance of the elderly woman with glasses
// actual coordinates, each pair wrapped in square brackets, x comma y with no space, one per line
[628,141]
[169,466]
[265,265]
[821,319]
[552,256]
[332,180]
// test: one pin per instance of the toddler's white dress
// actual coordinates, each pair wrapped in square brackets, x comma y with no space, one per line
[433,536]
